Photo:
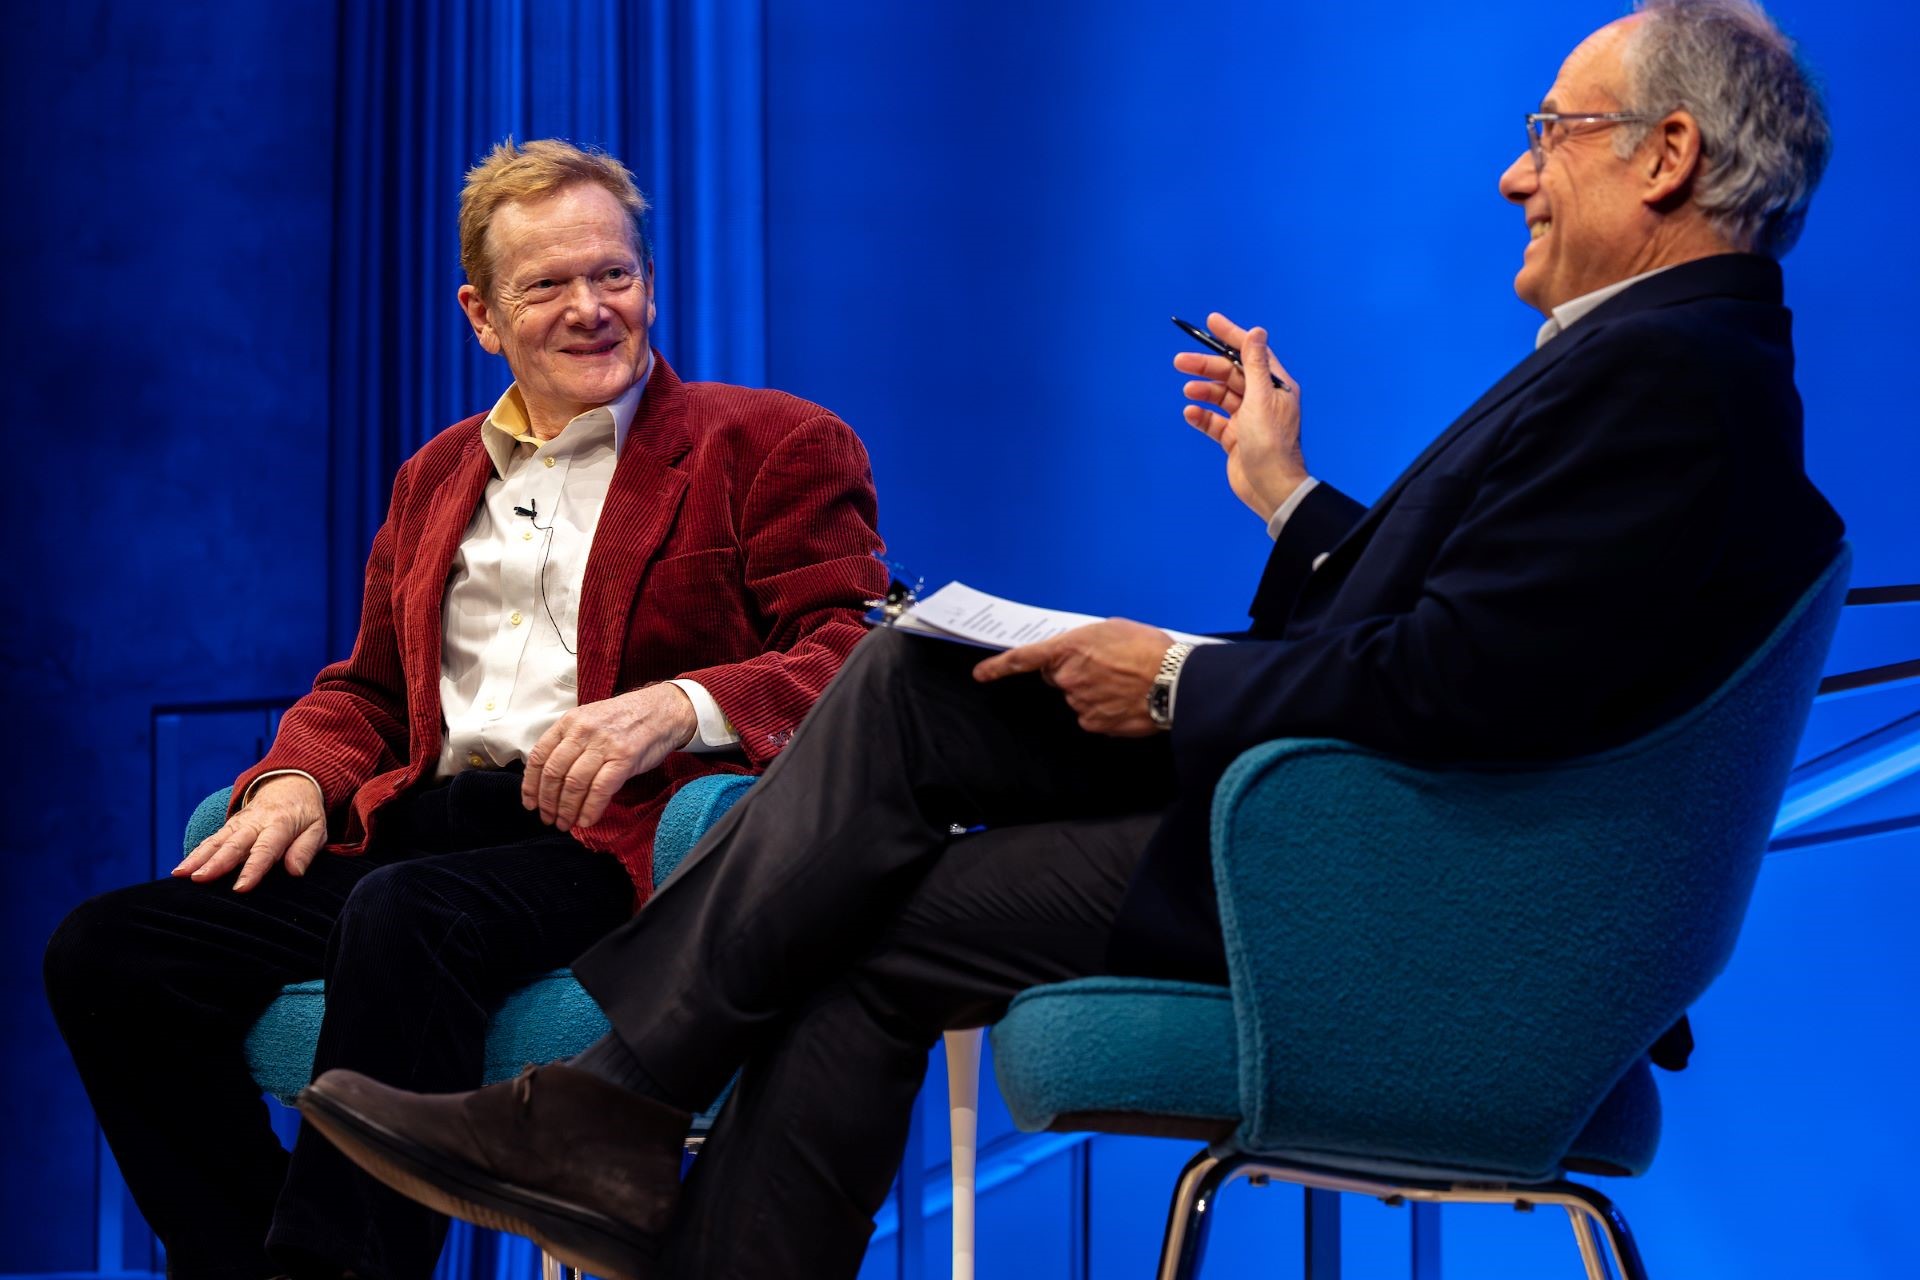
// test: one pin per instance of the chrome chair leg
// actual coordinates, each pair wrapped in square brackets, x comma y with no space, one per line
[550,1268]
[1190,1216]
[1595,1218]
[1604,1220]
[1589,1247]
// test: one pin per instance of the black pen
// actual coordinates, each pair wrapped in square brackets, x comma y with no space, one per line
[1201,335]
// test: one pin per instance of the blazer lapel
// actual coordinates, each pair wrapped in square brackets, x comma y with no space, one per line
[639,512]
[449,512]
[1738,275]
[1516,379]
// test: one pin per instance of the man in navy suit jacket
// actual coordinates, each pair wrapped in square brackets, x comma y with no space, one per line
[1586,551]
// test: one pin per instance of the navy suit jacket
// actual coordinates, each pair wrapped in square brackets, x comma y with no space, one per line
[1592,547]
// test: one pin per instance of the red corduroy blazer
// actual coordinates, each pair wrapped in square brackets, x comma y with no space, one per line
[734,549]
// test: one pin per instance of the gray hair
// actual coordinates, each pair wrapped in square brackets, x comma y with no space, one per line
[1764,138]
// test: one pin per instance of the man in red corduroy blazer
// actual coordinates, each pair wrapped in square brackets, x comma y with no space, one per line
[609,584]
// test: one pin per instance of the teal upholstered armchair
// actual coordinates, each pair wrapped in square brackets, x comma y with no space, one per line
[1444,982]
[553,1017]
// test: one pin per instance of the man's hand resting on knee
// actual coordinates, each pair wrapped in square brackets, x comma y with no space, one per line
[1104,669]
[590,752]
[285,821]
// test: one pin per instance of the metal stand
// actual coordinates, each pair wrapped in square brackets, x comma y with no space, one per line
[1600,1229]
[963,1109]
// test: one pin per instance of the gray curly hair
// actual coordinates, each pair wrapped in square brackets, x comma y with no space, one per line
[1764,137]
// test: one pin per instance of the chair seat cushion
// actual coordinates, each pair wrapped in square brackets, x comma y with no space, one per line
[280,1045]
[1622,1135]
[551,1017]
[1107,1053]
[1106,1046]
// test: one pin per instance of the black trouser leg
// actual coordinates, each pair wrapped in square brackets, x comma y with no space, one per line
[797,882]
[421,954]
[154,987]
[811,1137]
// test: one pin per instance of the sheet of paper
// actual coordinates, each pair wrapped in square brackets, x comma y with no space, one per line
[958,612]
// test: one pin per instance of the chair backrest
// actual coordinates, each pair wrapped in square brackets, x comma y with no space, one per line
[1456,965]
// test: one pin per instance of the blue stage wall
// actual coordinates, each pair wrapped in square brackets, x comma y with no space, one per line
[980,218]
[963,227]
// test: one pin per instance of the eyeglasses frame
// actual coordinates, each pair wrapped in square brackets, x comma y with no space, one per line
[1536,141]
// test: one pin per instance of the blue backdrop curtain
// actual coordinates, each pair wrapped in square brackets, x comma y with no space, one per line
[674,88]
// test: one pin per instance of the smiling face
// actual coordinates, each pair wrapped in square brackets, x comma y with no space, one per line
[1586,210]
[571,303]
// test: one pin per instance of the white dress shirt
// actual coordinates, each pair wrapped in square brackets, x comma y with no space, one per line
[510,617]
[1567,312]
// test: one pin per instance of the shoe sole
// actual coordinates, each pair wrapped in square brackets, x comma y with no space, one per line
[586,1241]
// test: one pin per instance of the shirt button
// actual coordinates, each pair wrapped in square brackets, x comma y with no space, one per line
[489,704]
[475,759]
[547,460]
[513,619]
[527,536]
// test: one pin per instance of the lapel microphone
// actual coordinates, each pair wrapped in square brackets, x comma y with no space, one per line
[532,511]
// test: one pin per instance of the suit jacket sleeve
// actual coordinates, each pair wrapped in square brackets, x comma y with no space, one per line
[1321,520]
[353,724]
[808,541]
[1547,597]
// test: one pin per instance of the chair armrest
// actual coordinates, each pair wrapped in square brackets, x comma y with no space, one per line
[694,807]
[1456,963]
[207,818]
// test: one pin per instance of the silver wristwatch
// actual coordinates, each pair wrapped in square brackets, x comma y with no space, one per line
[1160,693]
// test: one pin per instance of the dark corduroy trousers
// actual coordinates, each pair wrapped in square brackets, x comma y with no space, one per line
[829,929]
[154,987]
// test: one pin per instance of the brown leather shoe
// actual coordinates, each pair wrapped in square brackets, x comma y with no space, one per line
[585,1169]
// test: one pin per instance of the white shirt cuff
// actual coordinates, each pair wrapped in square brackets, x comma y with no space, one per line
[714,733]
[1278,520]
[254,786]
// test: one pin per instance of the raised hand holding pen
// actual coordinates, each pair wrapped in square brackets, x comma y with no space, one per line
[1239,408]
[1220,348]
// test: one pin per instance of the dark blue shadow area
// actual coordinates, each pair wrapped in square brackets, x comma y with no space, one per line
[169,228]
[963,227]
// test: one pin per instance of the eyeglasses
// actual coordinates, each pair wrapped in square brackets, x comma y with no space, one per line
[1545,129]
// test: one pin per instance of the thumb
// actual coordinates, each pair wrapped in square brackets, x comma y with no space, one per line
[1256,359]
[1257,362]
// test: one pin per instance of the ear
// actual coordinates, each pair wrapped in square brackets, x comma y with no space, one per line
[480,316]
[1670,159]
